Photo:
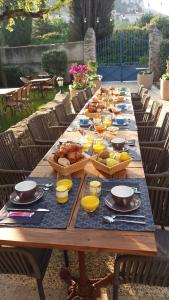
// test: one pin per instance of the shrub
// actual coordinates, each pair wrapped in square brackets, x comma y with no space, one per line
[164,54]
[21,35]
[162,24]
[55,62]
[49,38]
[13,72]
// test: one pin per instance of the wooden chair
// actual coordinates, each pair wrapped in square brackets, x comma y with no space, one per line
[13,101]
[25,97]
[16,162]
[154,136]
[152,159]
[44,130]
[24,80]
[149,118]
[50,84]
[158,179]
[62,117]
[82,99]
[152,271]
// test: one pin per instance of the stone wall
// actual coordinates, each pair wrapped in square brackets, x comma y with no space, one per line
[31,55]
[155,38]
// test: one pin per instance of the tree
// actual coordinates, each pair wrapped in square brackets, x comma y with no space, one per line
[91,13]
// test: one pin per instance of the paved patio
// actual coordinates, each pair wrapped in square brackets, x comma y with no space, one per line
[22,288]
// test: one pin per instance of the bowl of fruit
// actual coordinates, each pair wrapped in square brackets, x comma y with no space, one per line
[111,162]
[68,158]
[92,110]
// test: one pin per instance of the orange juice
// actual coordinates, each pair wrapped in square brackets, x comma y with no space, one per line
[107,123]
[98,148]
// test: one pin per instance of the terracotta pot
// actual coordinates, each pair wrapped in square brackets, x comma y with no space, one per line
[146,80]
[164,89]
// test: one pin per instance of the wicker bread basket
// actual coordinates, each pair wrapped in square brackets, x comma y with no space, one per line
[109,170]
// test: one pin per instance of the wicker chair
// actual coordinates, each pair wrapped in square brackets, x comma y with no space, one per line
[137,96]
[154,136]
[82,99]
[16,162]
[159,179]
[89,93]
[153,271]
[62,117]
[76,104]
[142,105]
[14,102]
[149,118]
[44,130]
[24,80]
[153,160]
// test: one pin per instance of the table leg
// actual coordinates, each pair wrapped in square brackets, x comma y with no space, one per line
[83,288]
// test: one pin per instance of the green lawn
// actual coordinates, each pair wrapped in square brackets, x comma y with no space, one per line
[7,120]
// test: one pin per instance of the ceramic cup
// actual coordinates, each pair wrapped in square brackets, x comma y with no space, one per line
[118,143]
[26,189]
[121,106]
[120,121]
[122,195]
[84,121]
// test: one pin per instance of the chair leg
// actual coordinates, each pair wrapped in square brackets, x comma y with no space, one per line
[40,289]
[115,292]
[66,258]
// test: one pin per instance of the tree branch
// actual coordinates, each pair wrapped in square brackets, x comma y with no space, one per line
[22,13]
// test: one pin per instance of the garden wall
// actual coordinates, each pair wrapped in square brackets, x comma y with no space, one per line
[31,55]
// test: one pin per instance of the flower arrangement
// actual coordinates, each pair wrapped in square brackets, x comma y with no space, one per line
[80,76]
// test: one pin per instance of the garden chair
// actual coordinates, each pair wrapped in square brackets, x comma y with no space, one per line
[62,117]
[14,101]
[149,118]
[17,162]
[24,80]
[68,106]
[152,271]
[82,99]
[142,105]
[50,84]
[43,130]
[152,159]
[76,104]
[31,262]
[158,179]
[89,93]
[154,136]
[25,97]
[137,96]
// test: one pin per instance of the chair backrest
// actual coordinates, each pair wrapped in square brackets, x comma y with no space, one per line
[88,92]
[146,100]
[155,111]
[24,80]
[158,180]
[140,87]
[76,105]
[152,159]
[5,191]
[10,154]
[60,113]
[38,128]
[159,199]
[164,133]
[81,98]
[67,104]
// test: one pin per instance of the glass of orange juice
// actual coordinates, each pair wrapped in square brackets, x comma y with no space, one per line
[107,120]
[98,145]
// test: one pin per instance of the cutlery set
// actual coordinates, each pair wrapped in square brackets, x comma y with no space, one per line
[115,218]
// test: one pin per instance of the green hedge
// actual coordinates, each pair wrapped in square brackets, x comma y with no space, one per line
[55,62]
[49,38]
[164,54]
[13,72]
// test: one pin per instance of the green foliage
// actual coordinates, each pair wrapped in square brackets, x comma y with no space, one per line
[165,76]
[55,62]
[145,19]
[92,67]
[13,72]
[162,24]
[143,60]
[164,55]
[21,34]
[50,31]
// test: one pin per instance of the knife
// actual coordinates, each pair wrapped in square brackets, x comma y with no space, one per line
[28,209]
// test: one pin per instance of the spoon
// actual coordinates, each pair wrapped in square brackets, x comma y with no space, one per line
[113,220]
[47,186]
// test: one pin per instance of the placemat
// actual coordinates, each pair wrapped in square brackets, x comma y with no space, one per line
[130,126]
[134,152]
[95,220]
[57,217]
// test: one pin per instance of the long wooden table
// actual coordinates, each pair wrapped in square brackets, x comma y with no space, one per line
[83,240]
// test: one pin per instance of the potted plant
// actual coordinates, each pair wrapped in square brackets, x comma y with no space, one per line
[80,78]
[164,83]
[145,76]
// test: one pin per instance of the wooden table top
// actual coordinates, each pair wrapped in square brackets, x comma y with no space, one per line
[93,240]
[39,80]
